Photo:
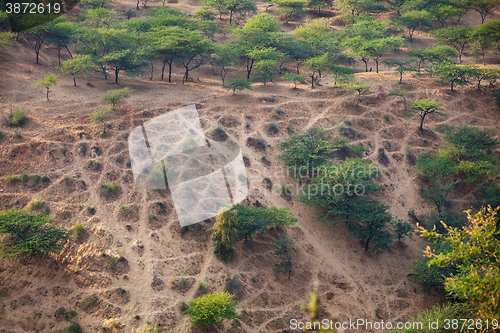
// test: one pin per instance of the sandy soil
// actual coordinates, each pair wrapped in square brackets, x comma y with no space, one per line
[158,265]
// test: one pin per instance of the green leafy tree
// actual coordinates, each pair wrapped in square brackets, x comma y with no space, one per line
[61,34]
[474,251]
[79,65]
[47,82]
[318,4]
[354,8]
[308,150]
[100,116]
[30,234]
[294,78]
[193,49]
[424,107]
[231,7]
[457,37]
[225,234]
[340,72]
[416,19]
[402,66]
[482,74]
[483,7]
[454,74]
[490,30]
[437,54]
[211,309]
[282,247]
[359,87]
[315,65]
[257,219]
[401,229]
[36,36]
[222,58]
[128,60]
[116,97]
[238,84]
[290,9]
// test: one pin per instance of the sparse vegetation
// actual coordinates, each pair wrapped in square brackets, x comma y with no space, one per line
[17,117]
[30,234]
[210,309]
[107,189]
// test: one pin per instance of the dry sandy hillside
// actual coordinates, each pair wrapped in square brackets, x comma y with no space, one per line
[158,265]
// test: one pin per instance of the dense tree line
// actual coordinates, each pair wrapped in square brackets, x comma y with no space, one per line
[108,40]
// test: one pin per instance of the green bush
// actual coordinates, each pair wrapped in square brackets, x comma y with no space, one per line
[109,189]
[282,247]
[17,117]
[256,219]
[402,229]
[24,177]
[432,277]
[46,179]
[30,234]
[36,204]
[437,313]
[116,97]
[10,178]
[78,228]
[309,150]
[211,309]
[225,235]
[36,179]
[73,328]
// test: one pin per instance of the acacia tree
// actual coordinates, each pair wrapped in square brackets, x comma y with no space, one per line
[36,36]
[416,19]
[320,4]
[483,7]
[359,87]
[401,66]
[315,65]
[238,84]
[80,65]
[457,37]
[452,73]
[47,82]
[424,107]
[294,78]
[61,35]
[400,93]
[116,97]
[290,9]
[192,47]
[100,116]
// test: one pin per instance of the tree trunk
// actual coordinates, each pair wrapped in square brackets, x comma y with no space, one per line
[152,69]
[69,52]
[312,80]
[138,5]
[37,52]
[249,68]
[367,243]
[59,55]
[170,71]
[400,76]
[376,62]
[298,72]
[422,118]
[48,94]
[163,68]
[366,64]
[116,75]
[230,17]
[74,80]
[452,85]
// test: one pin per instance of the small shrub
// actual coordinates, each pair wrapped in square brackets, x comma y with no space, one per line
[219,134]
[36,179]
[290,129]
[78,228]
[73,328]
[381,151]
[112,264]
[90,210]
[24,177]
[116,97]
[92,300]
[285,191]
[402,229]
[17,134]
[282,248]
[17,117]
[67,180]
[347,122]
[387,118]
[109,189]
[202,286]
[272,128]
[256,143]
[10,178]
[46,179]
[30,234]
[211,309]
[36,204]
[267,183]
[103,253]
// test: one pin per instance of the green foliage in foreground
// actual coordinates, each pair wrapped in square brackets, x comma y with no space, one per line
[30,234]
[474,251]
[225,234]
[211,309]
[447,311]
